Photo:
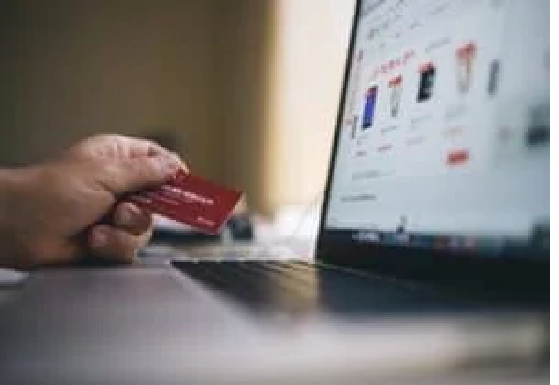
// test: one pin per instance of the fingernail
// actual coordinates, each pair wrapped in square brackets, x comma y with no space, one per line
[176,157]
[98,238]
[180,163]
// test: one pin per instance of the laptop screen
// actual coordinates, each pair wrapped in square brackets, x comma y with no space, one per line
[444,137]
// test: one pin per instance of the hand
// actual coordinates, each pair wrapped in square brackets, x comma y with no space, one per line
[67,208]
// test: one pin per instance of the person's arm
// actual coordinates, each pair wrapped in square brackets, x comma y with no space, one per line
[60,211]
[12,186]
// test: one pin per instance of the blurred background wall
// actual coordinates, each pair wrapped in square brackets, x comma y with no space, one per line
[245,90]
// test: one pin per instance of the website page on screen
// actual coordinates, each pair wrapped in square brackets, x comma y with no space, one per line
[445,129]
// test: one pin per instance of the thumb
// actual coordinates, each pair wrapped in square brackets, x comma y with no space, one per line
[133,174]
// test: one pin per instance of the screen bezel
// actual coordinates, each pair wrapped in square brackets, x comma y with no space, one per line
[517,276]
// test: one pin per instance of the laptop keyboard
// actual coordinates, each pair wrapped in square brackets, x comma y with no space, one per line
[257,284]
[301,287]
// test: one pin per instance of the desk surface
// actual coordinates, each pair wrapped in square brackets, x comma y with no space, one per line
[126,325]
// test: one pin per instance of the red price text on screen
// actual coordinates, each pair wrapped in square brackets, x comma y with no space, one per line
[392,64]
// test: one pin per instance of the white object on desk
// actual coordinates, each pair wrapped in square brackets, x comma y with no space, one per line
[9,277]
[162,223]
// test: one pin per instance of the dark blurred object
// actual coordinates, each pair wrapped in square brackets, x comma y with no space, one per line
[238,227]
[494,70]
[173,237]
[538,131]
[241,227]
[541,236]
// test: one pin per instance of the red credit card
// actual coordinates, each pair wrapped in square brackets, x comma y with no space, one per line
[191,200]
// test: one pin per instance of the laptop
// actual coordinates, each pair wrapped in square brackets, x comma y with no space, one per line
[439,174]
[432,253]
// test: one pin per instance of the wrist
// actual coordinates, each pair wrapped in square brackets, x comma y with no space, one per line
[8,191]
[14,187]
